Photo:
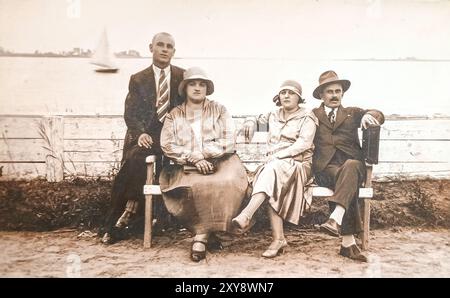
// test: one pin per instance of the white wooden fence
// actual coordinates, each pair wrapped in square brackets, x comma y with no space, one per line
[58,147]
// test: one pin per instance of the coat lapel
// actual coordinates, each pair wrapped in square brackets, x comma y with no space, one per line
[322,116]
[151,90]
[340,117]
[150,86]
[175,79]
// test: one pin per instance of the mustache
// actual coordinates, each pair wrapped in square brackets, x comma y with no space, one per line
[334,98]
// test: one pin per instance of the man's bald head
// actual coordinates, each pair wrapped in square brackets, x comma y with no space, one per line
[162,49]
[165,34]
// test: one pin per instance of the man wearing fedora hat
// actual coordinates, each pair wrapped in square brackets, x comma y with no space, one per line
[152,94]
[338,160]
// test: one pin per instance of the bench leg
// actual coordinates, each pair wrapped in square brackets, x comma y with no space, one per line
[149,204]
[148,221]
[366,224]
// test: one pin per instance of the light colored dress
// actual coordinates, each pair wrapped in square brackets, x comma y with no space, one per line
[203,203]
[286,180]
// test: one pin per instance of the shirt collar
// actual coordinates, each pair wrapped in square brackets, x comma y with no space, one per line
[157,70]
[328,110]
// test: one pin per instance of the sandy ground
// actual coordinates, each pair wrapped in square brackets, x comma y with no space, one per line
[67,253]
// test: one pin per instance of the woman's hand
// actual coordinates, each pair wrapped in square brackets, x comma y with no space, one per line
[204,167]
[195,157]
[145,140]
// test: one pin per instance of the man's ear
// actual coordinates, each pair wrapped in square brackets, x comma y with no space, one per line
[150,47]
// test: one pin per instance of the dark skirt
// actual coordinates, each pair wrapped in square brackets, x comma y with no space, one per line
[205,203]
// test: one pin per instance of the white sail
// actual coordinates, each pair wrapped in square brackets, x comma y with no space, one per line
[103,56]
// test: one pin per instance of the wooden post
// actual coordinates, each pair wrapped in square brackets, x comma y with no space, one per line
[149,203]
[52,131]
[366,210]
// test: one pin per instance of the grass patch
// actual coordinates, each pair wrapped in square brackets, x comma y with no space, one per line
[38,205]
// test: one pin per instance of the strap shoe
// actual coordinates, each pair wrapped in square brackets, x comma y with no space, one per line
[276,248]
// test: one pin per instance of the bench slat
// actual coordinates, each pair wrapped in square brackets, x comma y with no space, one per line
[152,190]
[317,191]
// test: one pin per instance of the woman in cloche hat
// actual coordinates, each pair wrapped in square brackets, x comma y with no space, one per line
[282,179]
[200,133]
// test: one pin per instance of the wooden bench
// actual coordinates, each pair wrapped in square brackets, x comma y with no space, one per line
[151,190]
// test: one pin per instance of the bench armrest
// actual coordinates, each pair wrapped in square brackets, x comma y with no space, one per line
[150,159]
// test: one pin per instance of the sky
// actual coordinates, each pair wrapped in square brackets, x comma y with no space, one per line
[235,28]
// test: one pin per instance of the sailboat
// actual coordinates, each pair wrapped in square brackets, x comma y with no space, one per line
[103,56]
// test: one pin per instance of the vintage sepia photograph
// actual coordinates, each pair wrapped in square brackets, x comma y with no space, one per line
[225,139]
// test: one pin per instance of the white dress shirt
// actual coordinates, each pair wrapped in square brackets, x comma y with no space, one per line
[157,72]
[328,110]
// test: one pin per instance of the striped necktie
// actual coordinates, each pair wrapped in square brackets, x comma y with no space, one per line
[162,106]
[331,116]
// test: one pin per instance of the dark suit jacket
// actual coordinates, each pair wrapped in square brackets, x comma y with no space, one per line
[343,135]
[140,106]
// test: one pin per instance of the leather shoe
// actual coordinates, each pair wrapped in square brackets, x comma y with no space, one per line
[353,252]
[241,221]
[331,227]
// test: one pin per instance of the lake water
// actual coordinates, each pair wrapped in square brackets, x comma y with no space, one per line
[69,86]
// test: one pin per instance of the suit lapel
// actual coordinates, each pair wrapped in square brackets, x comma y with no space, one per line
[151,90]
[322,116]
[175,79]
[150,86]
[340,117]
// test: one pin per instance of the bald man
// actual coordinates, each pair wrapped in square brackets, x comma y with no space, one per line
[152,93]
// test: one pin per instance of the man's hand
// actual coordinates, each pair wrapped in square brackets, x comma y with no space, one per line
[205,167]
[248,130]
[145,140]
[369,120]
[195,157]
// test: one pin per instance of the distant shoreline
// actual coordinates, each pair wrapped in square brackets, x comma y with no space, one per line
[60,56]
[230,58]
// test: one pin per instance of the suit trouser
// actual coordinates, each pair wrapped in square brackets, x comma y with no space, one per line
[129,182]
[345,179]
